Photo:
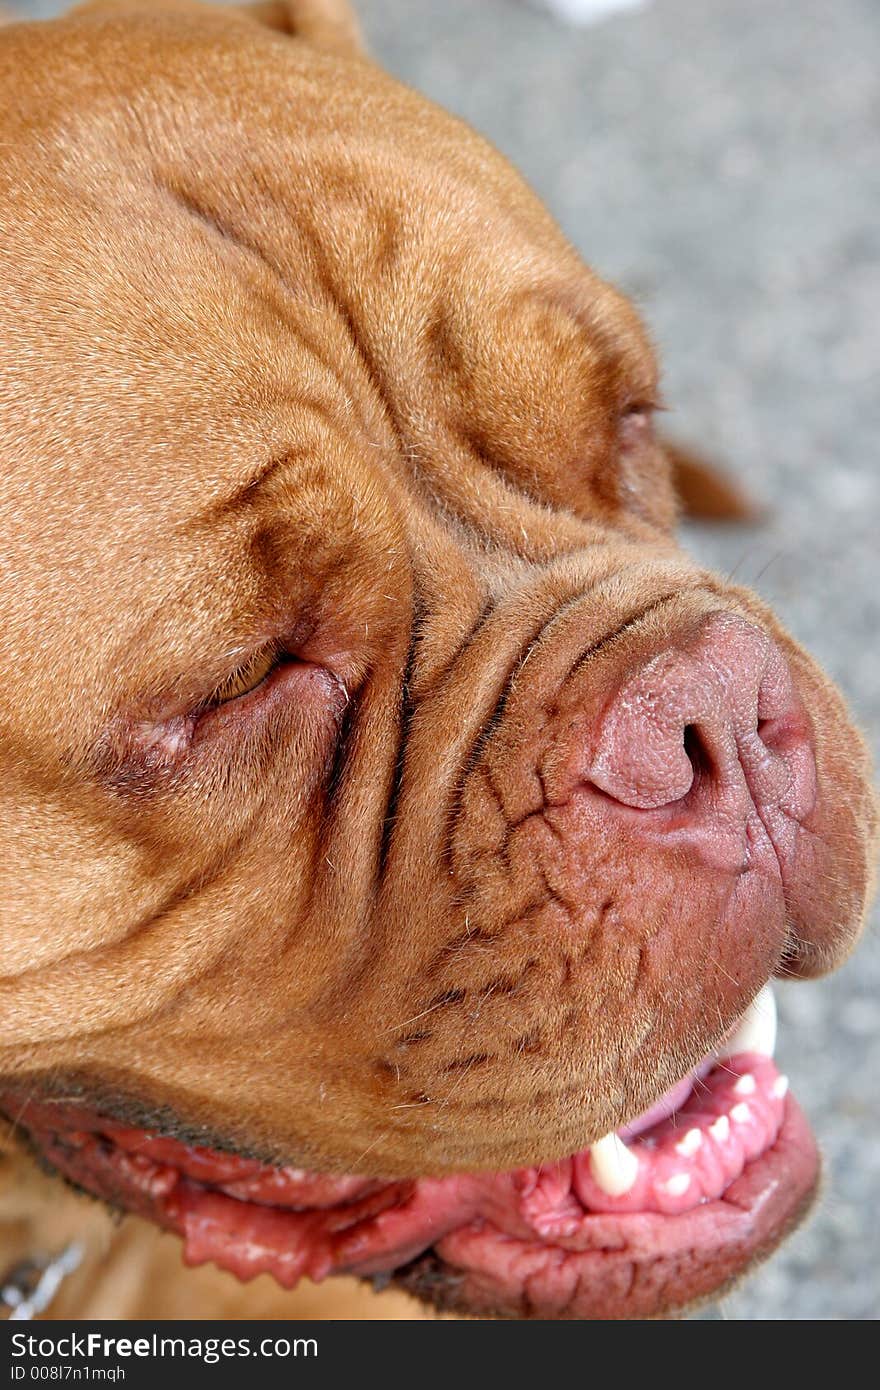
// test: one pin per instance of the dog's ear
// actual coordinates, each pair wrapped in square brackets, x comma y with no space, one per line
[704,491]
[328,24]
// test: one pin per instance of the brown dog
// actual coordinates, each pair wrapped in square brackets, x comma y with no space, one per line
[385,793]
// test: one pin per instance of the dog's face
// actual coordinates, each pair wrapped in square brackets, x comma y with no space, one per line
[384,792]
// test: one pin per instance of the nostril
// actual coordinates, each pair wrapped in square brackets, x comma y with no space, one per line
[704,720]
[697,751]
[711,740]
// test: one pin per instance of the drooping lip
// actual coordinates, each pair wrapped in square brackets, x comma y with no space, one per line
[709,1179]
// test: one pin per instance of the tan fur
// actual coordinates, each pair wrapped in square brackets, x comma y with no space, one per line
[288,354]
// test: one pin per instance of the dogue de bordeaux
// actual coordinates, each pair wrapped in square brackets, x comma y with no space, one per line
[399,831]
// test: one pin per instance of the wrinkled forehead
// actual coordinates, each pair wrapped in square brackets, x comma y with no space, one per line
[212,282]
[136,355]
[155,366]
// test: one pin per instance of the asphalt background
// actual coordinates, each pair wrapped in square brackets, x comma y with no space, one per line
[720,160]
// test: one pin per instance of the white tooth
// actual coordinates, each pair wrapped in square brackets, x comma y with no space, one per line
[740,1114]
[677,1185]
[780,1087]
[688,1146]
[614,1166]
[721,1129]
[756,1030]
[747,1085]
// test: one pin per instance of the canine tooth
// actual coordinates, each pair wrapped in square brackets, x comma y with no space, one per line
[613,1165]
[720,1130]
[688,1146]
[677,1185]
[747,1085]
[756,1030]
[740,1113]
[780,1087]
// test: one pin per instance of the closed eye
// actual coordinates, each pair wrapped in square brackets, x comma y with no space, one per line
[245,678]
[140,747]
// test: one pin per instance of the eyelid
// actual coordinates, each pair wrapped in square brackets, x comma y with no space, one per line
[647,404]
[245,677]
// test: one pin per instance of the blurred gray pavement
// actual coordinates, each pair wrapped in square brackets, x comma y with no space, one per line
[720,160]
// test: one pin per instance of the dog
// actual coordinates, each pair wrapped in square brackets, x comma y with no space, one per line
[400,831]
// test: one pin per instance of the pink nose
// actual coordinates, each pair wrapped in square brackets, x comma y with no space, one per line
[713,726]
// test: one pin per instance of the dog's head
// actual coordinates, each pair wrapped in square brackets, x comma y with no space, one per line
[385,792]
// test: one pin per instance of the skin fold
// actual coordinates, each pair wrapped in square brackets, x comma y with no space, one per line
[333,523]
